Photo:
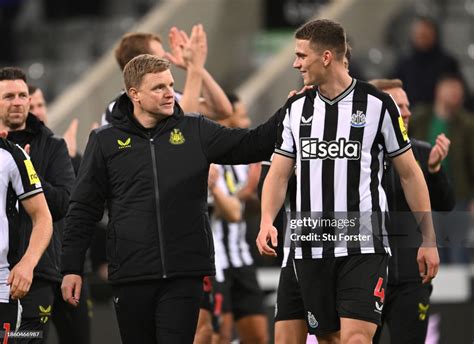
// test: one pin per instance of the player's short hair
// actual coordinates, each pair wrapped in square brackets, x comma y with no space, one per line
[324,34]
[133,44]
[141,65]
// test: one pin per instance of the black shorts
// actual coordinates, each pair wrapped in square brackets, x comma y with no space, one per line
[37,309]
[207,301]
[10,314]
[406,312]
[342,287]
[289,305]
[240,293]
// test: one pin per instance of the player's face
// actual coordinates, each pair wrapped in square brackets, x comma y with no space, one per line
[14,103]
[309,62]
[400,97]
[155,94]
[38,105]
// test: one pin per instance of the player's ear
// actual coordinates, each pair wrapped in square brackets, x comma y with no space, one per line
[327,57]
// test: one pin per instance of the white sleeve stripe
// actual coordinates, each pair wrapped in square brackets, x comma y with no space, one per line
[285,153]
[29,194]
[399,151]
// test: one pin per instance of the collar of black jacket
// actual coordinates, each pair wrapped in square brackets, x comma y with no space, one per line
[122,115]
[33,128]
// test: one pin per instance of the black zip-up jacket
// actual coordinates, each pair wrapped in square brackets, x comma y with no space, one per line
[155,186]
[52,164]
[404,236]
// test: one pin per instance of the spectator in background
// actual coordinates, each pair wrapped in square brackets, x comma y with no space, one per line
[447,116]
[407,299]
[39,108]
[54,169]
[426,63]
[235,269]
[188,53]
[72,324]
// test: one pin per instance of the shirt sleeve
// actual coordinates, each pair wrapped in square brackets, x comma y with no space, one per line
[395,137]
[285,144]
[23,177]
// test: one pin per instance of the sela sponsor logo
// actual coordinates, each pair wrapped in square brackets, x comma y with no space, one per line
[313,323]
[337,149]
[358,119]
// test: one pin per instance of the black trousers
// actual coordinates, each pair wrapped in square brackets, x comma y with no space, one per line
[159,311]
[73,324]
[406,313]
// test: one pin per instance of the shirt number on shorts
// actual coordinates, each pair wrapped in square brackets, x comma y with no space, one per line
[379,291]
[6,327]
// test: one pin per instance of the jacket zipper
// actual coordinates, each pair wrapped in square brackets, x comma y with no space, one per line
[157,198]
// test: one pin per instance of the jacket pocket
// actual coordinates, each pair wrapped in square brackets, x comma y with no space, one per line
[111,247]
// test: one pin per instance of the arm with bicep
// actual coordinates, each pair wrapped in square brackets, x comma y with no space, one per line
[227,205]
[273,196]
[417,196]
[21,276]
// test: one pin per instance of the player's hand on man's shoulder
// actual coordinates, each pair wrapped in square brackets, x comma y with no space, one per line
[295,92]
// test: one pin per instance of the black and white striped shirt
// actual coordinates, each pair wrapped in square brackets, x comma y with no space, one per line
[339,147]
[16,171]
[230,243]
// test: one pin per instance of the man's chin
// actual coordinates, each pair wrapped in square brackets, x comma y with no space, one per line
[15,125]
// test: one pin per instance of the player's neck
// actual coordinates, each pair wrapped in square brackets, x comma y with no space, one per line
[336,83]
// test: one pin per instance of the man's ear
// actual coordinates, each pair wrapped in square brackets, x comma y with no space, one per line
[327,58]
[133,94]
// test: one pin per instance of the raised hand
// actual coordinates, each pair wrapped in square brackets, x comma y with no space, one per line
[70,136]
[177,40]
[438,153]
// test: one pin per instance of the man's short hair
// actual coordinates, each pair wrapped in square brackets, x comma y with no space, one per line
[386,84]
[133,44]
[32,88]
[348,54]
[136,69]
[324,34]
[12,73]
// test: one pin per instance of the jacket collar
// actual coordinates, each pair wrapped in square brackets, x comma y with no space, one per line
[123,118]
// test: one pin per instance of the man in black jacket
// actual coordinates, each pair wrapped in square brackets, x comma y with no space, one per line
[407,299]
[53,165]
[150,165]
